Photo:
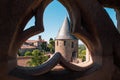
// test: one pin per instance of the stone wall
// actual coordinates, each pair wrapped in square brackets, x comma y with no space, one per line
[66,50]
[89,21]
[22,61]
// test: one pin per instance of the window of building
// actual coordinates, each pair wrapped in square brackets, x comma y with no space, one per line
[64,43]
[57,43]
[72,45]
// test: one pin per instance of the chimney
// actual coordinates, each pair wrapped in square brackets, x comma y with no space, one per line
[39,37]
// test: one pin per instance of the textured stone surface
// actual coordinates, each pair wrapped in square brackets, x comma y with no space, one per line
[110,3]
[14,16]
[90,23]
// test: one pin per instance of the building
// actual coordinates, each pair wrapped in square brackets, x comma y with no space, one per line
[66,43]
[30,45]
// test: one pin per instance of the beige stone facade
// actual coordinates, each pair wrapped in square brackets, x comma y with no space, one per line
[68,48]
[30,45]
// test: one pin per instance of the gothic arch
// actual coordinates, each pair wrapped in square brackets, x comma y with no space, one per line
[85,25]
[99,34]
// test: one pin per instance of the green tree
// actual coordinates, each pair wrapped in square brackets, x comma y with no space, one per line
[82,52]
[28,53]
[51,45]
[44,46]
[38,58]
[81,48]
[52,42]
[36,52]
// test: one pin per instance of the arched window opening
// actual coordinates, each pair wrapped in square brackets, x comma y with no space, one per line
[33,52]
[43,44]
[46,45]
[81,56]
[64,43]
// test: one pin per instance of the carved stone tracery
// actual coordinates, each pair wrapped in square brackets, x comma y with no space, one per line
[90,23]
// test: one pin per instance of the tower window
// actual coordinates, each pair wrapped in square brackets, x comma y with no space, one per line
[64,43]
[72,45]
[57,43]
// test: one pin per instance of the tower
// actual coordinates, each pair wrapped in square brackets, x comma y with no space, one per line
[66,43]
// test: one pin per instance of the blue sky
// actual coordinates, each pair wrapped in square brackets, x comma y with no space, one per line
[53,18]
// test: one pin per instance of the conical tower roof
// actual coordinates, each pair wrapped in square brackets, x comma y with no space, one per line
[64,32]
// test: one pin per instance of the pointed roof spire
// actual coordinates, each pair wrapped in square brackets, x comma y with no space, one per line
[64,32]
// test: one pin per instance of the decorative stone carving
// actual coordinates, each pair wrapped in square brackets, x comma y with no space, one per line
[90,23]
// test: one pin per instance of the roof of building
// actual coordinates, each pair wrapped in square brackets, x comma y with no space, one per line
[31,41]
[27,47]
[64,32]
[29,44]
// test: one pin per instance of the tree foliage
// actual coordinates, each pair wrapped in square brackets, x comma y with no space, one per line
[44,46]
[82,52]
[38,55]
[38,58]
[48,47]
[28,53]
[51,45]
